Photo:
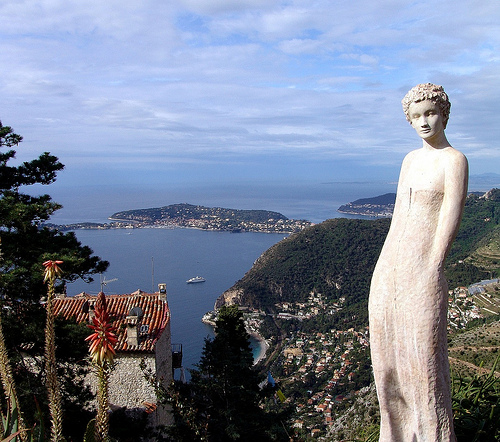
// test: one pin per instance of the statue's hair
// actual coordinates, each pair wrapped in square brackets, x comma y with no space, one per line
[428,91]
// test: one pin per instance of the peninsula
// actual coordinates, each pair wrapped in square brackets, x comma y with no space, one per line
[379,206]
[197,217]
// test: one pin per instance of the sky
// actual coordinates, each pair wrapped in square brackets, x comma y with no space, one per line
[147,97]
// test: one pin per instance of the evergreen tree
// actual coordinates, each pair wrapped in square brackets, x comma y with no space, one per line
[223,400]
[25,245]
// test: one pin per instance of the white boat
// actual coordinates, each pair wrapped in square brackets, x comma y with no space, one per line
[195,280]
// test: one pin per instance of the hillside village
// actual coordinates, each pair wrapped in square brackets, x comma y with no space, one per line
[477,301]
[307,296]
[322,373]
[321,363]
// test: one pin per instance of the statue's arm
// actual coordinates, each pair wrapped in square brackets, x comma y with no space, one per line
[455,192]
[403,186]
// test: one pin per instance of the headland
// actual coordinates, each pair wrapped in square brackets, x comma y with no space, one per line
[196,217]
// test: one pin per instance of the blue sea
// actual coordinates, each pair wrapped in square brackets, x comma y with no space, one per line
[143,258]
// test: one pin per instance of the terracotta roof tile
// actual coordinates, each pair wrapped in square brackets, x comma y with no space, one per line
[153,323]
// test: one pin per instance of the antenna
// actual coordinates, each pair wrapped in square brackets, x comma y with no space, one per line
[152,274]
[104,282]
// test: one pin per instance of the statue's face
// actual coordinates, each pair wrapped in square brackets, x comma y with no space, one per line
[426,119]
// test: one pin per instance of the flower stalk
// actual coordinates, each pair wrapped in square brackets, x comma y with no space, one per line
[52,271]
[102,420]
[102,350]
[7,379]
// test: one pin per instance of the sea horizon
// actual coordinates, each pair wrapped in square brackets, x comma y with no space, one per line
[311,200]
[314,201]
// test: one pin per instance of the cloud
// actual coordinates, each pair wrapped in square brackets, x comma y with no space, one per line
[225,6]
[221,83]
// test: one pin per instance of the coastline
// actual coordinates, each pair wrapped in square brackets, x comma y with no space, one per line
[366,214]
[133,225]
[263,347]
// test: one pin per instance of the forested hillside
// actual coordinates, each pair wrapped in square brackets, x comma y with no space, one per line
[336,258]
[475,254]
[481,218]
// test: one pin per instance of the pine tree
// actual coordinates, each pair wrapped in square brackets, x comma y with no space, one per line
[223,400]
[26,245]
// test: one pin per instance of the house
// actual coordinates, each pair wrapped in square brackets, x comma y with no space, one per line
[142,323]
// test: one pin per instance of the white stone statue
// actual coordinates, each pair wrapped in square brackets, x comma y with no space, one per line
[409,295]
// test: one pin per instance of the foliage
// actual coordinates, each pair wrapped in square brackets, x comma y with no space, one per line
[476,407]
[464,273]
[52,271]
[10,422]
[370,433]
[13,413]
[480,226]
[481,215]
[334,258]
[223,400]
[12,426]
[89,435]
[30,376]
[128,427]
[26,245]
[101,348]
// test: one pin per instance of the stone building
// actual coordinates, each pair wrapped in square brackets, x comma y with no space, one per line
[142,323]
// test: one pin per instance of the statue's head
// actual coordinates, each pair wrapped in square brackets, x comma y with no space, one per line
[431,92]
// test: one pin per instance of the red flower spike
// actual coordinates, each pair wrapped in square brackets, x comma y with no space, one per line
[104,339]
[52,270]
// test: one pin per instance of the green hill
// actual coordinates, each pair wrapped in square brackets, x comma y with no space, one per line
[475,254]
[336,258]
[190,211]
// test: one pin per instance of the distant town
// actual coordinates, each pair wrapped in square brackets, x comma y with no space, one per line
[196,217]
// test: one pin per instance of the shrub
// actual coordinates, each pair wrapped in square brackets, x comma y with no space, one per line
[476,407]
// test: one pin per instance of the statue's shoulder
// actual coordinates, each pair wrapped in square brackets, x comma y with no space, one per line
[455,156]
[411,157]
[412,154]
